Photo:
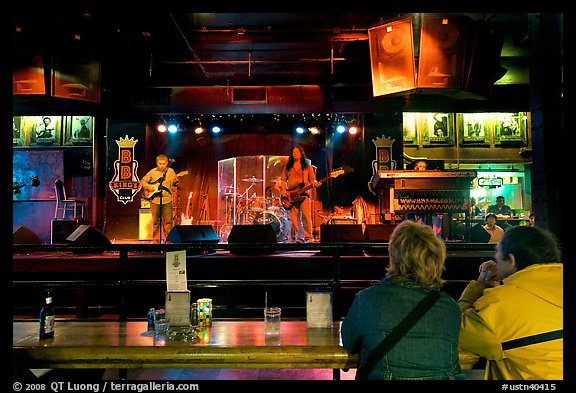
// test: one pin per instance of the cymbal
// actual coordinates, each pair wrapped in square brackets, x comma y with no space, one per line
[253,180]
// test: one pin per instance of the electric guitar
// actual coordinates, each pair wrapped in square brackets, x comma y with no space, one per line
[186,219]
[16,186]
[298,193]
[149,195]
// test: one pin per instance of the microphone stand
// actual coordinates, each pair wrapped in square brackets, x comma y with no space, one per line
[160,223]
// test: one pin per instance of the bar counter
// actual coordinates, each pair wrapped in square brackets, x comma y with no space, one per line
[226,344]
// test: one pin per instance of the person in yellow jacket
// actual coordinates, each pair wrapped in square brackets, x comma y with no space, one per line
[512,315]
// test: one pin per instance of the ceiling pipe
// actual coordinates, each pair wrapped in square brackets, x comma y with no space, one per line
[252,61]
[194,55]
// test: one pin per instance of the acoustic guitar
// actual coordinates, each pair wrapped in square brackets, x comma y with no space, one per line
[149,195]
[298,193]
[186,219]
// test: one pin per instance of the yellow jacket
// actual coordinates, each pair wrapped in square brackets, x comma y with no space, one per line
[528,302]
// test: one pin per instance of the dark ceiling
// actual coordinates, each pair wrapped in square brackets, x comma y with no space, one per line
[168,49]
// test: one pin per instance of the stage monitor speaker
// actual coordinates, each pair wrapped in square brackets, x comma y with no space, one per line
[24,235]
[61,229]
[378,232]
[258,234]
[478,234]
[341,233]
[392,57]
[193,234]
[89,235]
[442,58]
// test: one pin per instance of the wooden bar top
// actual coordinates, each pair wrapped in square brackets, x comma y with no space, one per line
[226,344]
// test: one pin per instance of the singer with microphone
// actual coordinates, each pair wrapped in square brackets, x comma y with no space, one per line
[157,185]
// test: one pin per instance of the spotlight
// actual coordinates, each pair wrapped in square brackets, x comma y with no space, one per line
[216,129]
[172,128]
[196,126]
[314,130]
[340,128]
[198,129]
[161,126]
[353,129]
[300,129]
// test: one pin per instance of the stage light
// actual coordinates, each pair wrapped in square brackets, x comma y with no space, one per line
[216,129]
[161,126]
[300,129]
[353,129]
[314,130]
[341,128]
[172,128]
[198,129]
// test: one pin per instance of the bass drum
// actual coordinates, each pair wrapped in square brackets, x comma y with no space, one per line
[272,219]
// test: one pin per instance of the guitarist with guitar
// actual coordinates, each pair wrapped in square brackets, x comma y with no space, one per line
[158,183]
[297,175]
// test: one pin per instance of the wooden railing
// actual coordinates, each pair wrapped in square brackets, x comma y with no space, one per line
[129,272]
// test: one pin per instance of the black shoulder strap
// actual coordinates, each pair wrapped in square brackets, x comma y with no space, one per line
[399,330]
[529,340]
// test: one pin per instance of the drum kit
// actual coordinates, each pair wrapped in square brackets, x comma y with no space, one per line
[253,209]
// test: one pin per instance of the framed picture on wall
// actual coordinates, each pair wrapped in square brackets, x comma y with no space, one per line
[510,128]
[18,133]
[79,130]
[474,128]
[409,128]
[436,128]
[46,130]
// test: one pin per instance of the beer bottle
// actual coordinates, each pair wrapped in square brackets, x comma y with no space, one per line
[47,317]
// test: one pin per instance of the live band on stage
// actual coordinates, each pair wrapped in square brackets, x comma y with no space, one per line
[250,193]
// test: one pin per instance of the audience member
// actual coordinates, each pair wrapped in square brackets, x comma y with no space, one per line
[429,350]
[531,220]
[493,229]
[516,324]
[500,207]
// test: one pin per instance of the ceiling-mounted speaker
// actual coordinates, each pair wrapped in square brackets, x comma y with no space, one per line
[28,74]
[392,57]
[483,67]
[442,58]
[76,76]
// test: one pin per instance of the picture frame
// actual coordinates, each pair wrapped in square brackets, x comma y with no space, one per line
[44,131]
[436,128]
[79,130]
[474,128]
[410,136]
[510,128]
[18,132]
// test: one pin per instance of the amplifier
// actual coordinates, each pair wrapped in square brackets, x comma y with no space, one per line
[342,220]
